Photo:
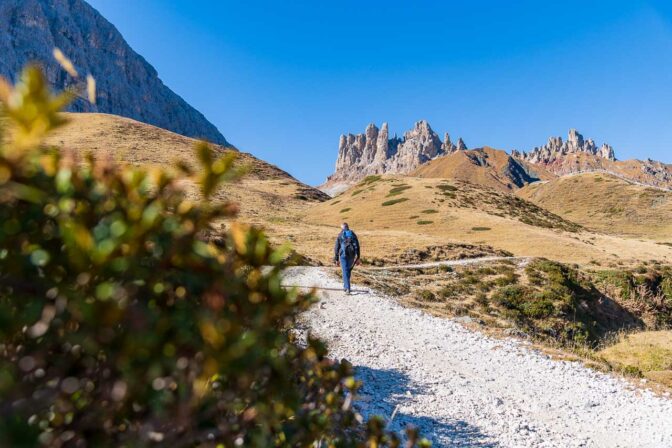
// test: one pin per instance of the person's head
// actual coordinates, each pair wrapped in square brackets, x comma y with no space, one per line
[345,226]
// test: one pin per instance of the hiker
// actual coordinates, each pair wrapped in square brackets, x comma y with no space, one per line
[346,251]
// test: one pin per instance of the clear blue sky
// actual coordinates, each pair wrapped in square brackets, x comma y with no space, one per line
[284,79]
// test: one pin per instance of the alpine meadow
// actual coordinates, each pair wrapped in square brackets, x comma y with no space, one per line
[232,225]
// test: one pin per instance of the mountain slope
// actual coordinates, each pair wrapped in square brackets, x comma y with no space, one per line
[127,84]
[606,203]
[265,194]
[397,213]
[483,166]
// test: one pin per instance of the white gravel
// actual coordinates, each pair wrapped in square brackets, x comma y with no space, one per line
[462,388]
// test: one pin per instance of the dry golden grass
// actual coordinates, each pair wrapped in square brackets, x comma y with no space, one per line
[606,204]
[486,166]
[266,194]
[649,352]
[291,211]
[476,215]
[432,212]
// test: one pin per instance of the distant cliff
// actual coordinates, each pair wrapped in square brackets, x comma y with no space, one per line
[127,84]
[422,153]
[374,152]
[557,149]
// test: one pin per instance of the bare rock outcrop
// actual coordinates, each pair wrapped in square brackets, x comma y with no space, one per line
[127,84]
[374,152]
[556,149]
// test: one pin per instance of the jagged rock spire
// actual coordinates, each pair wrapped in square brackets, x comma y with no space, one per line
[556,149]
[374,152]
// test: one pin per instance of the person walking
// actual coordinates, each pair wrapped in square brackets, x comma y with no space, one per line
[346,252]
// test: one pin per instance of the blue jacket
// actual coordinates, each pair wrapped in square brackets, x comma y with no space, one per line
[339,242]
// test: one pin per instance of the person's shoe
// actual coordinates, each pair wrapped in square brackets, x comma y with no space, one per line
[347,292]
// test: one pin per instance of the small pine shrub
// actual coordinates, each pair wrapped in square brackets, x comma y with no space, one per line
[394,201]
[538,308]
[368,180]
[482,300]
[427,296]
[511,297]
[398,190]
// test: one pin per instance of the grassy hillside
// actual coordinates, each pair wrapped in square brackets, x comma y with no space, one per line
[266,193]
[647,353]
[606,203]
[418,213]
[486,166]
[396,213]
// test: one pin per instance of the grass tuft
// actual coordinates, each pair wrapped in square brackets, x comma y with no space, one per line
[394,201]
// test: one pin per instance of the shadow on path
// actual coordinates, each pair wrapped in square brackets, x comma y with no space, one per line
[354,292]
[384,390]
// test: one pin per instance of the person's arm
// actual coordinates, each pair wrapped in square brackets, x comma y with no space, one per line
[357,246]
[337,247]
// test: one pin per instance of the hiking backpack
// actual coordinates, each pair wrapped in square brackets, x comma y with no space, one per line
[348,244]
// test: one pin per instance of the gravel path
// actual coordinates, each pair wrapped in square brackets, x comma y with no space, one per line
[462,388]
[434,264]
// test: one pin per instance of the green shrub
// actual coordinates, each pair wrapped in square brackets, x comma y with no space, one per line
[666,289]
[538,308]
[511,297]
[368,180]
[394,201]
[470,278]
[429,211]
[480,229]
[427,296]
[345,210]
[398,190]
[356,192]
[507,278]
[424,223]
[125,322]
[446,188]
[482,299]
[485,270]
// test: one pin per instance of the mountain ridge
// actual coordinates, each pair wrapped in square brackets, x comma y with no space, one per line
[422,153]
[127,85]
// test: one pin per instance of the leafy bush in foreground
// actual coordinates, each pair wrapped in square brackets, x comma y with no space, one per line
[120,325]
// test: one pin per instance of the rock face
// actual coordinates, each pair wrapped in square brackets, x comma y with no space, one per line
[557,149]
[374,152]
[421,153]
[576,155]
[127,84]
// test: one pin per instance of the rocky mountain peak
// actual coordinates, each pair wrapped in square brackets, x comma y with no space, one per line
[374,152]
[127,84]
[555,149]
